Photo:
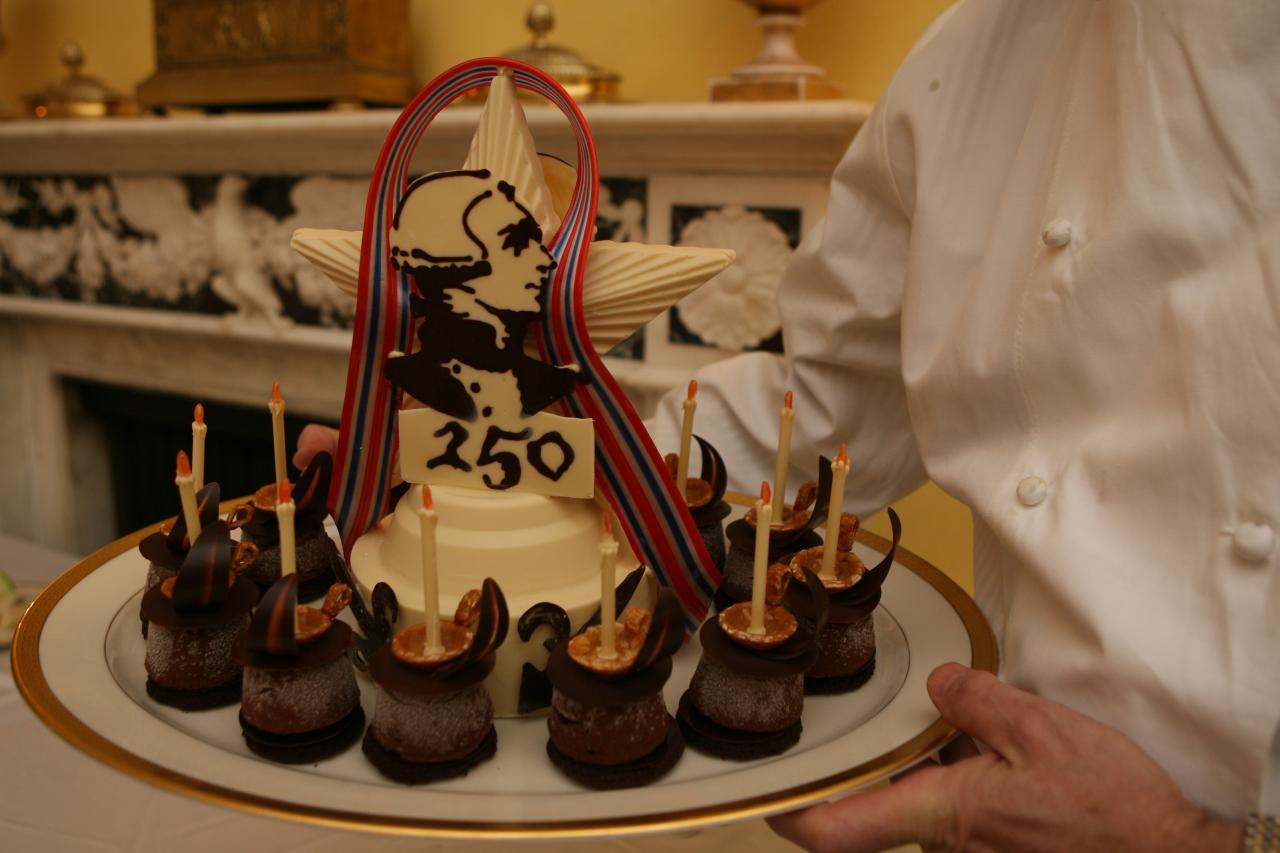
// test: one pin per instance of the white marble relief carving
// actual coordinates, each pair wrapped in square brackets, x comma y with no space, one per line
[739,307]
[625,217]
[143,235]
[239,274]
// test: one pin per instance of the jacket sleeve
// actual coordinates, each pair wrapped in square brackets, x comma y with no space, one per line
[840,302]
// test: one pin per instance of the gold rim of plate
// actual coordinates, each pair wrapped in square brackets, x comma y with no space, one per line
[35,689]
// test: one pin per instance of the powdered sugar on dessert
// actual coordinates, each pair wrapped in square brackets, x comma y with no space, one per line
[443,728]
[746,704]
[193,658]
[299,700]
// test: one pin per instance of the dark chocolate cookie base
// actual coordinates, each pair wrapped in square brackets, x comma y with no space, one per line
[837,684]
[305,747]
[708,736]
[632,774]
[196,700]
[405,772]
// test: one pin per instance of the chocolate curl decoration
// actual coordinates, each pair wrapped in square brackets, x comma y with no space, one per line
[205,574]
[544,613]
[271,630]
[821,601]
[206,506]
[802,642]
[535,687]
[490,630]
[868,586]
[713,470]
[312,489]
[818,515]
[376,620]
[666,632]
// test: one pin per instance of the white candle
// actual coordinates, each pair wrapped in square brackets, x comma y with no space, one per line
[285,508]
[198,432]
[430,586]
[686,439]
[187,494]
[783,459]
[276,407]
[839,471]
[760,570]
[608,571]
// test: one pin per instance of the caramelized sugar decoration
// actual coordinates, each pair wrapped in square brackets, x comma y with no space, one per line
[697,493]
[775,584]
[848,569]
[629,636]
[243,555]
[410,645]
[795,516]
[779,626]
[266,497]
[310,623]
[848,532]
[456,636]
[468,610]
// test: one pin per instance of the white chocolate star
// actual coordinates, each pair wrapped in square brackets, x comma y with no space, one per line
[625,285]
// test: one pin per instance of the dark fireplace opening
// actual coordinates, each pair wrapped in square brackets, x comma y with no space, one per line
[142,432]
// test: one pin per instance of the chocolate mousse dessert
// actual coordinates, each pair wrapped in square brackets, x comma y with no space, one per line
[747,693]
[795,532]
[847,640]
[196,617]
[433,717]
[609,724]
[300,703]
[319,562]
[705,497]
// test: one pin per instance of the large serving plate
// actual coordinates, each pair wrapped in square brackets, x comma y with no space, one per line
[77,658]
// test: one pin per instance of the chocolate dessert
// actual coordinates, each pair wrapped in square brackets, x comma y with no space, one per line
[795,533]
[300,702]
[319,562]
[747,694]
[847,640]
[433,718]
[196,617]
[165,549]
[609,724]
[705,497]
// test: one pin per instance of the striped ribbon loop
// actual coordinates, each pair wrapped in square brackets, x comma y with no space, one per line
[629,470]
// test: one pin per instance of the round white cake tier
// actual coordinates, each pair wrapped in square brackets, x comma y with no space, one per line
[537,548]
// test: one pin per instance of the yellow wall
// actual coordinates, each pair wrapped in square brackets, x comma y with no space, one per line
[666,50]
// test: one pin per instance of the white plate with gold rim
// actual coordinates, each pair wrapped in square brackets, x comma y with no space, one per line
[77,659]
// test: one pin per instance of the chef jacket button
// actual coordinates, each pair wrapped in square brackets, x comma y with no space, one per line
[1056,234]
[1253,543]
[1032,491]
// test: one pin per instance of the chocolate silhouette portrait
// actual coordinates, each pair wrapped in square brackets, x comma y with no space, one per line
[480,272]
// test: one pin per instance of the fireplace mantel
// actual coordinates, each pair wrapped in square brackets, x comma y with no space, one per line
[152,253]
[633,139]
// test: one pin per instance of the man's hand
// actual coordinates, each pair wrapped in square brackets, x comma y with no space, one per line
[314,438]
[1056,780]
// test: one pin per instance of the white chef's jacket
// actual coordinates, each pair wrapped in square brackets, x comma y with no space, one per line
[1049,278]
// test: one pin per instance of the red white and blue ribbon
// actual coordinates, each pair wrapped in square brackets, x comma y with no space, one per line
[629,470]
